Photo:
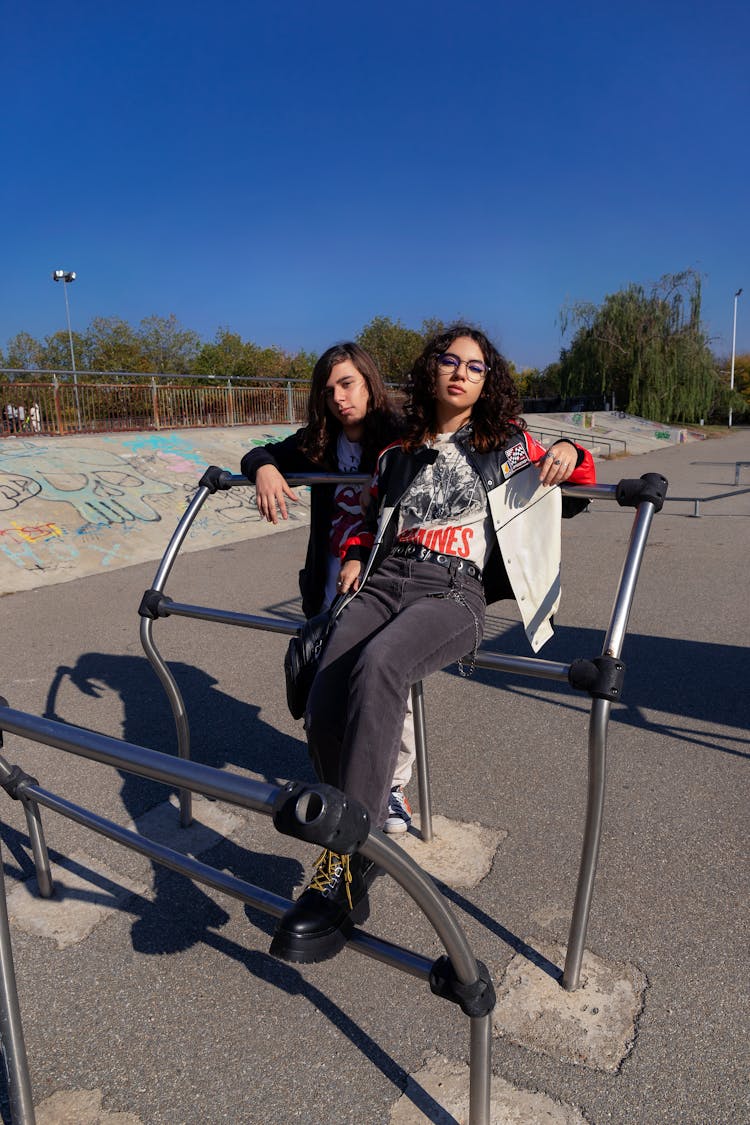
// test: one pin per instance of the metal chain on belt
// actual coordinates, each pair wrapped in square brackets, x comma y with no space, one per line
[456,595]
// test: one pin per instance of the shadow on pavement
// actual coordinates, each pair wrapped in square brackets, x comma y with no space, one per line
[693,681]
[224,731]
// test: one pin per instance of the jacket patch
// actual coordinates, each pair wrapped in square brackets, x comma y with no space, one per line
[516,458]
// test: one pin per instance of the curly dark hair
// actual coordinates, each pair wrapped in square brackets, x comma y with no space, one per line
[322,430]
[494,413]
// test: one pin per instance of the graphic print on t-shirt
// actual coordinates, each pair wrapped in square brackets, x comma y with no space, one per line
[347,511]
[442,491]
[347,515]
[445,509]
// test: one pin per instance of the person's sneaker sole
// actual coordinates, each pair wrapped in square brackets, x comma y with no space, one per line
[397,828]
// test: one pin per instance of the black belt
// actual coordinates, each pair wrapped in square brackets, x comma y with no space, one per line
[424,554]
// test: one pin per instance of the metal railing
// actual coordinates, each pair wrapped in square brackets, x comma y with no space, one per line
[112,402]
[29,408]
[738,467]
[307,812]
[579,438]
[600,676]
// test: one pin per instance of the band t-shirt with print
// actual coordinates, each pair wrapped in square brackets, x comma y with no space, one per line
[347,512]
[445,508]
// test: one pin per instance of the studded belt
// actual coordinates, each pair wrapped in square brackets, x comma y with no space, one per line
[423,554]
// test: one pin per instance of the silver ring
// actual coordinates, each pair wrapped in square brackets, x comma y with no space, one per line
[556,461]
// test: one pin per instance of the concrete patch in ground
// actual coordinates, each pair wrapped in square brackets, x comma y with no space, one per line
[459,854]
[83,898]
[80,1107]
[87,894]
[212,823]
[593,1026]
[439,1094]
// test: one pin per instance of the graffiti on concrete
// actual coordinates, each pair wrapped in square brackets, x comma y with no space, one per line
[58,500]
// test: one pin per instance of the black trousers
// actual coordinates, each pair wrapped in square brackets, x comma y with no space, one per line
[411,619]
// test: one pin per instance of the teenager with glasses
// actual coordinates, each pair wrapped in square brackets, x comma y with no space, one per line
[349,421]
[463,512]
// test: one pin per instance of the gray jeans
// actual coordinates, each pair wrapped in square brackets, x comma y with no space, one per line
[411,619]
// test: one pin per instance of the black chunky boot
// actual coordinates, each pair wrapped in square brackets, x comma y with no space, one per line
[323,917]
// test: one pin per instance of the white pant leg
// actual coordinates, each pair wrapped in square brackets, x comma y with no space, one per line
[407,751]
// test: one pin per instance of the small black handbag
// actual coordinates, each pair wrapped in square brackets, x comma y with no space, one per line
[303,657]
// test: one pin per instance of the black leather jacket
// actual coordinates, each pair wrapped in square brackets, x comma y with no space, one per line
[287,457]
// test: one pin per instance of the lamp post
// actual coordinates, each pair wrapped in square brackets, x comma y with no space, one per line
[734,341]
[66,276]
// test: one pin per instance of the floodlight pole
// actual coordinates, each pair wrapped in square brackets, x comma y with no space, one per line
[734,341]
[66,276]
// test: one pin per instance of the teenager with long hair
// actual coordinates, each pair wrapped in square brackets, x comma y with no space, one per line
[349,422]
[464,512]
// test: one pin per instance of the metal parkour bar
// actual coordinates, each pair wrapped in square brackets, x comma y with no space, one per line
[307,812]
[600,677]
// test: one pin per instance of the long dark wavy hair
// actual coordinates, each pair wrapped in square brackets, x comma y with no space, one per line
[494,413]
[321,433]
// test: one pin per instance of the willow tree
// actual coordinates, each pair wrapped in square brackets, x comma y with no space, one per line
[647,349]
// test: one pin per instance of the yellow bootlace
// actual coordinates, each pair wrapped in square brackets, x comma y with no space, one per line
[331,867]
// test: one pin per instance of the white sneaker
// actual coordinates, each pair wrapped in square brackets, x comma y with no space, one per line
[399,812]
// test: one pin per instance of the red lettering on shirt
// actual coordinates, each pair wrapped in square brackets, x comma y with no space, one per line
[444,540]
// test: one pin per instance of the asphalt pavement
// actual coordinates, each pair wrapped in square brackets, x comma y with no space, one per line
[169,1006]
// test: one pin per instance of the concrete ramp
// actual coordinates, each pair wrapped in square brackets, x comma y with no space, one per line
[609,433]
[77,505]
[80,504]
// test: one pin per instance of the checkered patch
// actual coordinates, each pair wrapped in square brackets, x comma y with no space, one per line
[516,458]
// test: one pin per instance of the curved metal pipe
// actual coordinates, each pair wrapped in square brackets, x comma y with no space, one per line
[39,851]
[618,624]
[423,768]
[168,681]
[600,709]
[261,798]
[434,906]
[36,834]
[598,726]
[11,1027]
[179,714]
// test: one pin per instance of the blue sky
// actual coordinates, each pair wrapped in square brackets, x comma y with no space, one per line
[292,171]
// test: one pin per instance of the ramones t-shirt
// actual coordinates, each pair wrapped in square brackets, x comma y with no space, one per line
[446,508]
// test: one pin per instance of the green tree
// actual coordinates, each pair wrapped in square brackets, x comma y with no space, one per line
[166,346]
[112,345]
[228,355]
[431,327]
[393,347]
[647,348]
[56,351]
[267,363]
[25,352]
[222,357]
[742,382]
[533,383]
[740,399]
[301,365]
